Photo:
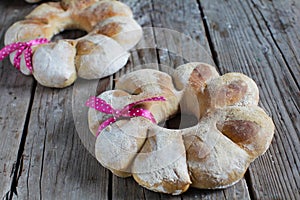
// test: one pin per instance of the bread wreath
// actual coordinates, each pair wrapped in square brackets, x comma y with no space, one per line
[231,131]
[111,31]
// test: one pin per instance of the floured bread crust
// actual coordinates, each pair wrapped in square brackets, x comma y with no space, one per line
[161,164]
[111,32]
[232,131]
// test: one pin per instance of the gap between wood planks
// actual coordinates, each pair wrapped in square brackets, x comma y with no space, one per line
[17,168]
[208,36]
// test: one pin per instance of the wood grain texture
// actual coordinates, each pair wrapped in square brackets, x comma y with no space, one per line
[15,97]
[282,19]
[244,43]
[55,163]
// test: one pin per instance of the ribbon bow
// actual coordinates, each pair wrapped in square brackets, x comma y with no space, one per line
[128,111]
[21,47]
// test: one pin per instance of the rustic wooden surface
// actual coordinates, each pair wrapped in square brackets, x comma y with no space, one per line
[42,157]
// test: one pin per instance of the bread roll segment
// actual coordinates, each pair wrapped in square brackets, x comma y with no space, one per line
[224,143]
[122,143]
[232,131]
[95,59]
[57,59]
[161,164]
[123,29]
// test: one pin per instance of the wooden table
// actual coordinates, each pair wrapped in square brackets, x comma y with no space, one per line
[42,157]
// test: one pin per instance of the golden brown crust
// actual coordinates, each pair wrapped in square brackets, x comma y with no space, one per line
[200,75]
[100,11]
[110,29]
[47,12]
[78,4]
[239,131]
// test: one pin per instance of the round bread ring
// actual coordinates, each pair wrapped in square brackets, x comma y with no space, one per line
[100,53]
[231,131]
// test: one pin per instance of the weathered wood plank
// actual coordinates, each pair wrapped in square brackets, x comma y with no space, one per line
[282,19]
[235,192]
[15,97]
[14,104]
[55,163]
[244,43]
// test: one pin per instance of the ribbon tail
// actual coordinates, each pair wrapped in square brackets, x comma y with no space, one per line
[105,124]
[17,58]
[28,57]
[140,112]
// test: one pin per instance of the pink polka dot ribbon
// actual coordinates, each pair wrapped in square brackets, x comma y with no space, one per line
[127,112]
[21,47]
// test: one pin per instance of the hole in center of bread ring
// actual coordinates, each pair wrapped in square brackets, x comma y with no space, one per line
[180,121]
[69,34]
